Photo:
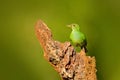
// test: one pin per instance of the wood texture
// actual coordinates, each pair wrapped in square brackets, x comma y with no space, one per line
[63,57]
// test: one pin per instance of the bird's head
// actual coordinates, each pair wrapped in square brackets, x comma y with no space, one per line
[74,26]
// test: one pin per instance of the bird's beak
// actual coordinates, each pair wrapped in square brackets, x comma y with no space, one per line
[69,26]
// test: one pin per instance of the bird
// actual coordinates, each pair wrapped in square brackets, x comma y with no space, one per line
[77,37]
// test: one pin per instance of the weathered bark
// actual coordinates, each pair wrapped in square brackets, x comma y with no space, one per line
[69,64]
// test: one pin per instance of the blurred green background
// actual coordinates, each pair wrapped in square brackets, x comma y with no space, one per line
[21,57]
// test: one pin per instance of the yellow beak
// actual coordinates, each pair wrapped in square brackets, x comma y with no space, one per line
[69,26]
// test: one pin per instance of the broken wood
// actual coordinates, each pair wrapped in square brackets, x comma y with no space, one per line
[63,57]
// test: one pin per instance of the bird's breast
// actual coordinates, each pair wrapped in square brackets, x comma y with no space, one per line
[76,37]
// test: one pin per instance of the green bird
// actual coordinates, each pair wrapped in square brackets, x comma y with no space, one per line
[77,37]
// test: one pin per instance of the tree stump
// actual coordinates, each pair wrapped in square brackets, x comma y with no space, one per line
[63,57]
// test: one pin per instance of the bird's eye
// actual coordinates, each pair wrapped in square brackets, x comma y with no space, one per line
[74,25]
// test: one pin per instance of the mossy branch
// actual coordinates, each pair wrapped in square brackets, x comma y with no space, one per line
[69,64]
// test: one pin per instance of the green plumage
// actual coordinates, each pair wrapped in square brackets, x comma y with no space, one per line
[77,37]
